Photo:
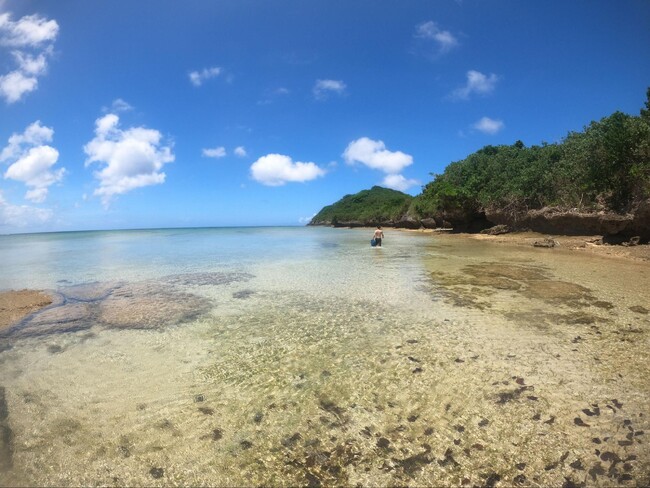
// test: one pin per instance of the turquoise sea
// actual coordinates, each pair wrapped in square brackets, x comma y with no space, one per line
[302,356]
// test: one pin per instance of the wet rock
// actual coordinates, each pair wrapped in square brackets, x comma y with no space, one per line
[591,413]
[54,349]
[580,423]
[6,447]
[199,398]
[90,292]
[546,242]
[413,464]
[577,465]
[290,442]
[497,230]
[448,459]
[596,470]
[243,294]
[569,483]
[639,309]
[206,410]
[383,443]
[520,479]
[64,318]
[4,409]
[246,444]
[483,423]
[206,279]
[217,434]
[492,480]
[520,466]
[157,473]
[258,417]
[147,306]
[412,418]
[417,370]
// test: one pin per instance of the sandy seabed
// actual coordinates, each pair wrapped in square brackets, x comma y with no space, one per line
[511,367]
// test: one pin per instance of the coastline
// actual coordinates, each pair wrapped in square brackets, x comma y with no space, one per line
[590,244]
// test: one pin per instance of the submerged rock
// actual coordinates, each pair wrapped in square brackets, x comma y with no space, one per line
[148,306]
[206,279]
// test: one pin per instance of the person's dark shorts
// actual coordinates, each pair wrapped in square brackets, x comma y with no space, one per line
[378,240]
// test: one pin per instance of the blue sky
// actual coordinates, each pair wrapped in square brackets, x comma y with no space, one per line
[128,114]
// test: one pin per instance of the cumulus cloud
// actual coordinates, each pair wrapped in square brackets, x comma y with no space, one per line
[197,78]
[278,169]
[375,155]
[217,152]
[324,88]
[22,215]
[32,160]
[488,125]
[398,182]
[240,152]
[443,40]
[30,39]
[477,83]
[129,159]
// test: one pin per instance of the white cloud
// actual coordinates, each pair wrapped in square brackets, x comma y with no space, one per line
[32,160]
[217,152]
[30,33]
[197,78]
[15,84]
[324,88]
[22,215]
[444,40]
[398,182]
[278,169]
[375,155]
[240,151]
[477,83]
[488,125]
[129,159]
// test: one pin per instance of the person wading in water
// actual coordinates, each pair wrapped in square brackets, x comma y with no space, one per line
[378,236]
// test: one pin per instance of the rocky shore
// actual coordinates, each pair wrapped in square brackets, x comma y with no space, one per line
[613,227]
[16,305]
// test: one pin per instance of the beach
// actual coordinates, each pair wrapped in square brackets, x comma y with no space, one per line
[436,360]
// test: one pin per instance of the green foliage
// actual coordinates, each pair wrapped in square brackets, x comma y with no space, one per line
[368,206]
[607,165]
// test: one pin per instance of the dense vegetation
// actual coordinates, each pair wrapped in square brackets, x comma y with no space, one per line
[376,205]
[604,167]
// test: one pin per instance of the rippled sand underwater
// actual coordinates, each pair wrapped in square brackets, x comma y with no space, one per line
[434,361]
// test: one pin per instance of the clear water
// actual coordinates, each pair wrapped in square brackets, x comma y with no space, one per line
[302,356]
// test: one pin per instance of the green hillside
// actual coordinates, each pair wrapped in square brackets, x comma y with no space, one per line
[368,207]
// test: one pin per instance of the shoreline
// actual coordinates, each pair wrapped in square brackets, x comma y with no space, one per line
[589,244]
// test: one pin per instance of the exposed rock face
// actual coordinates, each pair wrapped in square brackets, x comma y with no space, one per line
[496,230]
[548,220]
[551,220]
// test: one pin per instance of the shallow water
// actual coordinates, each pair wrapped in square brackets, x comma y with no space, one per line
[302,356]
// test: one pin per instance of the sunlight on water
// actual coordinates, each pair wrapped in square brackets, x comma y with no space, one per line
[302,356]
